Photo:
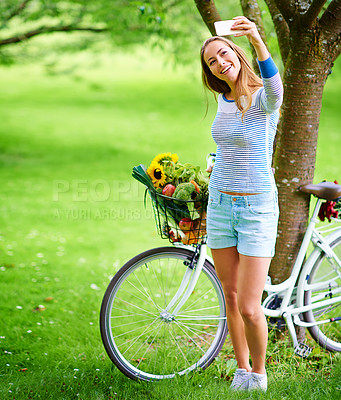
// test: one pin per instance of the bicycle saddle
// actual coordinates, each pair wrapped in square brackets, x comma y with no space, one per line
[323,190]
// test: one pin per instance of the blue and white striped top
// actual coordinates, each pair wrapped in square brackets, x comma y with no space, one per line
[244,148]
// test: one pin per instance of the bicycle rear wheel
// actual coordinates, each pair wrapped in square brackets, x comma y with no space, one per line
[321,282]
[143,340]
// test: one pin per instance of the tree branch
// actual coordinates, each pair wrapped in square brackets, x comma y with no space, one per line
[330,24]
[209,13]
[48,29]
[16,11]
[286,8]
[281,28]
[252,11]
[331,18]
[313,12]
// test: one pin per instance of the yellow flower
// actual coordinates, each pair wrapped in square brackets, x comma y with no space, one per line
[157,174]
[166,157]
[175,158]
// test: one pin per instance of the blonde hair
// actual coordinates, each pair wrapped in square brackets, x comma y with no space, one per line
[247,81]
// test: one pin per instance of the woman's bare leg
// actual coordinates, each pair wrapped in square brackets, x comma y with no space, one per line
[226,262]
[252,273]
[243,279]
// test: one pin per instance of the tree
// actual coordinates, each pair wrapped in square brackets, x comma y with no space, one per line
[309,34]
[173,24]
[119,22]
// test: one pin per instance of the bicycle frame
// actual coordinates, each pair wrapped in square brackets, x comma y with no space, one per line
[290,312]
[286,289]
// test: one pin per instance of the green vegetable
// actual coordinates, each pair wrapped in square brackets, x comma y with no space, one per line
[187,172]
[176,211]
[202,181]
[140,173]
[187,191]
[169,170]
[180,176]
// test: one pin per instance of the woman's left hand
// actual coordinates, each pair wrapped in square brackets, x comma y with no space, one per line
[249,29]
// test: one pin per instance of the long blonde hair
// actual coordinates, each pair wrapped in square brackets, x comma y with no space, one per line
[247,81]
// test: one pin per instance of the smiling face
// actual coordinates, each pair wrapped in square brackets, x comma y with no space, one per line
[222,61]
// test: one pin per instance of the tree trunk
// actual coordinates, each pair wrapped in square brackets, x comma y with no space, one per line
[209,13]
[307,69]
[281,28]
[252,11]
[295,156]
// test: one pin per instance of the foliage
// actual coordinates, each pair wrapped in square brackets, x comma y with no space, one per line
[31,30]
[71,215]
[117,22]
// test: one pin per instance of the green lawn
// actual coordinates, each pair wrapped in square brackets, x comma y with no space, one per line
[71,215]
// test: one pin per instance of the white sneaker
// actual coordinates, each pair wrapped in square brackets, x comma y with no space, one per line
[241,379]
[258,382]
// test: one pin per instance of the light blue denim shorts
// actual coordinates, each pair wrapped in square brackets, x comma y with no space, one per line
[247,222]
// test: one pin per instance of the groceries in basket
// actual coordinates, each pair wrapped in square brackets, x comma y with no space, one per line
[179,194]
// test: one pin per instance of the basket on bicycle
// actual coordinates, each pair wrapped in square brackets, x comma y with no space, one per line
[180,220]
[179,194]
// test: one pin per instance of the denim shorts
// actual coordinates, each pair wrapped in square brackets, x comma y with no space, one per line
[247,222]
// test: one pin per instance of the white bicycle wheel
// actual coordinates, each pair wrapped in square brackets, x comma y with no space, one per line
[320,282]
[143,340]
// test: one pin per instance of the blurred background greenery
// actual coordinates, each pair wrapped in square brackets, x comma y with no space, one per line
[73,125]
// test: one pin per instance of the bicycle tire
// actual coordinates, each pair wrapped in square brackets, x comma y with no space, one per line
[147,347]
[327,335]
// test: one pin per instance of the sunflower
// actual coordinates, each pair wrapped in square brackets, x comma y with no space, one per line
[166,157]
[157,174]
[175,158]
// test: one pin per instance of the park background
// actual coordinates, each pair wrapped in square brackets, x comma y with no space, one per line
[73,125]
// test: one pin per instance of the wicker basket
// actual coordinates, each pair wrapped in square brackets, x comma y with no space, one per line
[180,220]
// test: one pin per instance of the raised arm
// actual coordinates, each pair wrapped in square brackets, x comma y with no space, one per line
[250,30]
[269,98]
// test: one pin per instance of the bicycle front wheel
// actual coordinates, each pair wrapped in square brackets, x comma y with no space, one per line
[322,282]
[142,338]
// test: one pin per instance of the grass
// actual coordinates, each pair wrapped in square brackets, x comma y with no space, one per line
[71,215]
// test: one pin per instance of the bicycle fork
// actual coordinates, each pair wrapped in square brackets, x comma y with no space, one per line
[188,283]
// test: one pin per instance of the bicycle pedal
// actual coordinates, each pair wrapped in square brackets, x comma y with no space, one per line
[303,350]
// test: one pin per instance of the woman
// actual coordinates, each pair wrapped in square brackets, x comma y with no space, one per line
[243,210]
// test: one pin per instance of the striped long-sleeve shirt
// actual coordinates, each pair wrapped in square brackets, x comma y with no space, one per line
[244,148]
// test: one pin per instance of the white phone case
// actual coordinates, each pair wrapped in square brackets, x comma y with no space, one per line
[223,28]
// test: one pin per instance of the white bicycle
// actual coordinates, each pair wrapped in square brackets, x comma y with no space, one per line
[163,313]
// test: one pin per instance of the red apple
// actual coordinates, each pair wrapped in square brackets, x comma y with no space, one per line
[168,190]
[186,224]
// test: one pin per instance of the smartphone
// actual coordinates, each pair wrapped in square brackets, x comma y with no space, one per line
[223,28]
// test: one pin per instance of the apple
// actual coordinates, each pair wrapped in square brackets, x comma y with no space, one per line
[168,190]
[186,224]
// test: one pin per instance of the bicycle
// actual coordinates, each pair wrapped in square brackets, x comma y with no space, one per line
[163,313]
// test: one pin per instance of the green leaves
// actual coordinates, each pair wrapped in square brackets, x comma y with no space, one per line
[140,173]
[156,23]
